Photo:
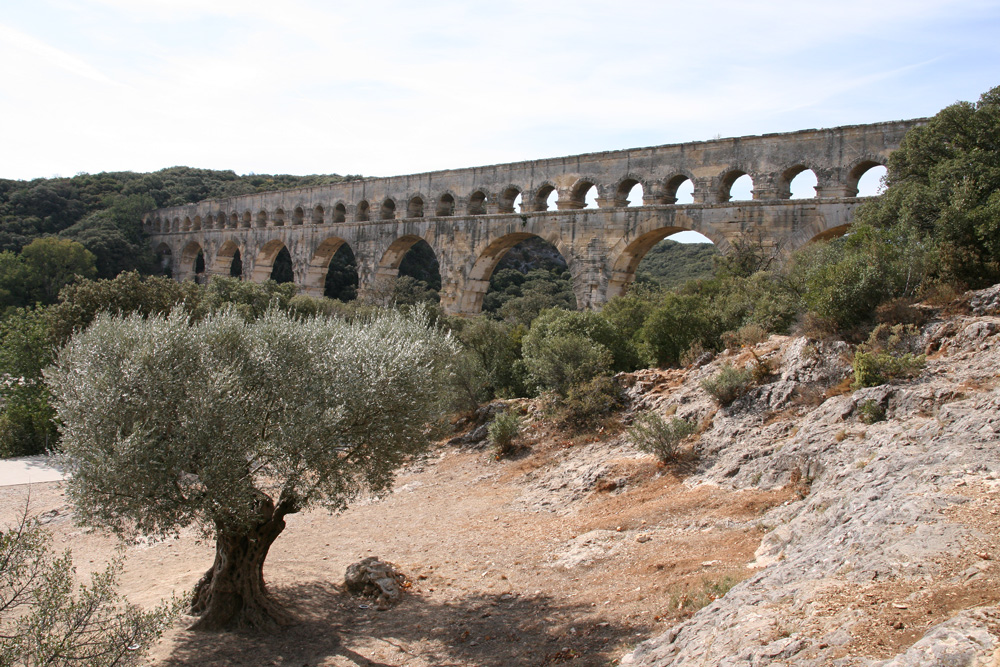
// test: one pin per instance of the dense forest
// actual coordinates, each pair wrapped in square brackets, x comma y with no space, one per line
[103,212]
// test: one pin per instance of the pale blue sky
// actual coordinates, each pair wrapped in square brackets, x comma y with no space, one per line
[387,87]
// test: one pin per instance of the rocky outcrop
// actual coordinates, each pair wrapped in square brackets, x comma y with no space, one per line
[892,546]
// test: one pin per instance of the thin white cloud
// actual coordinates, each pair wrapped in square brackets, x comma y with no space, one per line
[19,47]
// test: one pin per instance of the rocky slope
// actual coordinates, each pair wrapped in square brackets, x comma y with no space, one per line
[889,557]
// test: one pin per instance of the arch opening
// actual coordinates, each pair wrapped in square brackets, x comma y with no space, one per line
[196,223]
[667,258]
[298,216]
[680,190]
[629,193]
[247,221]
[477,203]
[262,218]
[510,200]
[583,195]
[415,207]
[736,186]
[526,274]
[318,215]
[417,271]
[801,184]
[871,182]
[340,213]
[388,210]
[445,205]
[266,258]
[234,221]
[363,211]
[282,270]
[228,261]
[545,197]
[192,262]
[279,218]
[341,280]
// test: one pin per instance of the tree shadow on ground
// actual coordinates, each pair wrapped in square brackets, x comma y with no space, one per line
[489,630]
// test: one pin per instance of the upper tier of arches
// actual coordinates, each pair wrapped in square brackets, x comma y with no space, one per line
[720,172]
[730,185]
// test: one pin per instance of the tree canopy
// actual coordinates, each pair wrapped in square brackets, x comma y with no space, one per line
[944,183]
[232,425]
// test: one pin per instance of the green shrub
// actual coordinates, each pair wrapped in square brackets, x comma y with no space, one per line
[870,411]
[729,383]
[560,350]
[653,434]
[497,347]
[588,403]
[888,354]
[503,431]
[679,321]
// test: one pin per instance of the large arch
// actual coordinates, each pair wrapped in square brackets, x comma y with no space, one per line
[626,256]
[319,265]
[487,259]
[165,257]
[187,269]
[224,259]
[395,258]
[264,263]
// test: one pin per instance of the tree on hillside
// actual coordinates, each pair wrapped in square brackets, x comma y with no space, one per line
[944,183]
[53,263]
[233,425]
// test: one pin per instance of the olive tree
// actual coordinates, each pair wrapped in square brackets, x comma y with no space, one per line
[232,425]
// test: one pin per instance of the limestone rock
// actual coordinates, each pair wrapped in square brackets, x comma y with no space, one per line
[372,577]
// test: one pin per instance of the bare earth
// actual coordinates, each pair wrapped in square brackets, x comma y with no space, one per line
[574,551]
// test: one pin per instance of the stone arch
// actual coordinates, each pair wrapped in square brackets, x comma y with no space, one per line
[487,258]
[415,207]
[176,226]
[223,264]
[627,254]
[196,223]
[673,184]
[445,205]
[264,263]
[189,260]
[388,209]
[234,221]
[279,218]
[186,224]
[624,187]
[857,170]
[783,186]
[262,218]
[477,203]
[298,216]
[154,224]
[726,182]
[540,199]
[819,229]
[393,255]
[578,193]
[507,198]
[318,215]
[363,211]
[319,264]
[339,212]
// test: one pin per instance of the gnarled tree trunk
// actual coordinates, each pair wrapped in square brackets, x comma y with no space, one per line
[232,595]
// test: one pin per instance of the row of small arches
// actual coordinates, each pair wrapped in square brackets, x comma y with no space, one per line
[797,183]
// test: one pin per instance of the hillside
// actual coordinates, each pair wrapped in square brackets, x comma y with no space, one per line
[825,539]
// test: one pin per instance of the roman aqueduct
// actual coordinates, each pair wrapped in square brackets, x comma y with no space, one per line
[472,217]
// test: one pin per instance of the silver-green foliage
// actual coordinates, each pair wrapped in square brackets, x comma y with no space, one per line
[503,431]
[653,434]
[46,618]
[167,423]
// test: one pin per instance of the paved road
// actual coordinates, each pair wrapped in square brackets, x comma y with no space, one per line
[28,470]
